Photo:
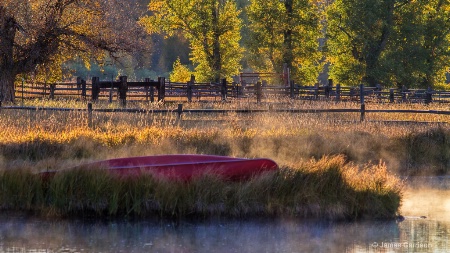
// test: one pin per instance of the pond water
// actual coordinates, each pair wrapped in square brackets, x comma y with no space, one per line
[21,233]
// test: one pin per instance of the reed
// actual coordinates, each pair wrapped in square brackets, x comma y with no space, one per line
[327,188]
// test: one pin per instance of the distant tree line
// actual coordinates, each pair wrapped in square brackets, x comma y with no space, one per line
[388,42]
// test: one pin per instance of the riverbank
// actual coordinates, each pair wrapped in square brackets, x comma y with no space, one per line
[329,188]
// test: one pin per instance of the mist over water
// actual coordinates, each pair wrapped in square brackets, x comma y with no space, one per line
[427,196]
[424,197]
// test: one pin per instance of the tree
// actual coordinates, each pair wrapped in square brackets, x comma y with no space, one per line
[358,33]
[39,35]
[180,73]
[420,47]
[286,31]
[399,42]
[212,28]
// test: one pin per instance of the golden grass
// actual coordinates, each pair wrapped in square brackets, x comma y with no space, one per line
[349,182]
[284,137]
[327,188]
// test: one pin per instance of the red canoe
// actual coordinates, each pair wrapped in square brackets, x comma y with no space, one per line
[186,167]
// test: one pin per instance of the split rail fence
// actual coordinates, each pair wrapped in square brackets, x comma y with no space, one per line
[161,90]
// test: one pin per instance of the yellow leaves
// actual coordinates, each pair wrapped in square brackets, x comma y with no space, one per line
[156,6]
[180,73]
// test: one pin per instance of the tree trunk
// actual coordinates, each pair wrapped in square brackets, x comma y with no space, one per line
[8,30]
[7,86]
[287,34]
[216,57]
[378,46]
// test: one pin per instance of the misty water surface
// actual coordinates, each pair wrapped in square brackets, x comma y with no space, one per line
[21,233]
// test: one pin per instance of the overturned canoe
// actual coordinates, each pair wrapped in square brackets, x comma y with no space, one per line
[186,167]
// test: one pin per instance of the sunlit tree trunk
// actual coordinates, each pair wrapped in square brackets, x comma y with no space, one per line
[287,34]
[216,56]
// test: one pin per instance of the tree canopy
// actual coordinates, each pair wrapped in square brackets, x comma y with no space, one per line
[39,35]
[391,42]
[394,42]
[285,32]
[212,28]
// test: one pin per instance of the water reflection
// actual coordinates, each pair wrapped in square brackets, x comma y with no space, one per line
[21,233]
[25,234]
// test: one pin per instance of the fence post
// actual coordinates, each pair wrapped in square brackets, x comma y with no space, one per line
[79,86]
[152,94]
[22,90]
[391,95]
[83,89]
[123,88]
[338,92]
[190,85]
[328,88]
[52,91]
[428,95]
[361,93]
[89,114]
[224,89]
[316,91]
[292,89]
[404,89]
[95,88]
[161,89]
[258,92]
[146,87]
[352,93]
[363,105]
[378,90]
[111,89]
[179,111]
[363,112]
[78,82]
[241,88]
[189,91]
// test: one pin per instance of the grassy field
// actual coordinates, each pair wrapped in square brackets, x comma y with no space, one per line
[351,174]
[407,147]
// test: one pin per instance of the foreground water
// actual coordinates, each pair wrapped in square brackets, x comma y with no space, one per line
[21,233]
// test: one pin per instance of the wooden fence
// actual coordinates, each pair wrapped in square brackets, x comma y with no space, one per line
[161,89]
[180,111]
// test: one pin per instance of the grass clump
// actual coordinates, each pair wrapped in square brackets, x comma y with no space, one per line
[326,188]
[21,190]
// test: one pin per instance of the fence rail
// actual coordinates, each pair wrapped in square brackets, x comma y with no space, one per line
[160,90]
[180,111]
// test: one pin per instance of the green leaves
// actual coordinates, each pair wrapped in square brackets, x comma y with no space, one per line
[285,32]
[212,28]
[391,42]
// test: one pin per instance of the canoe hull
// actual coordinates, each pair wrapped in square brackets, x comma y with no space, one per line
[186,167]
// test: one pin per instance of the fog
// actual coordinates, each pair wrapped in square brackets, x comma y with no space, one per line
[427,196]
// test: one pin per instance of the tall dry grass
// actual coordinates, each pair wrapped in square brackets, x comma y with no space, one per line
[342,185]
[327,188]
[53,139]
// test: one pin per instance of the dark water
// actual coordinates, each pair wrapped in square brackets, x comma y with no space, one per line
[20,233]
